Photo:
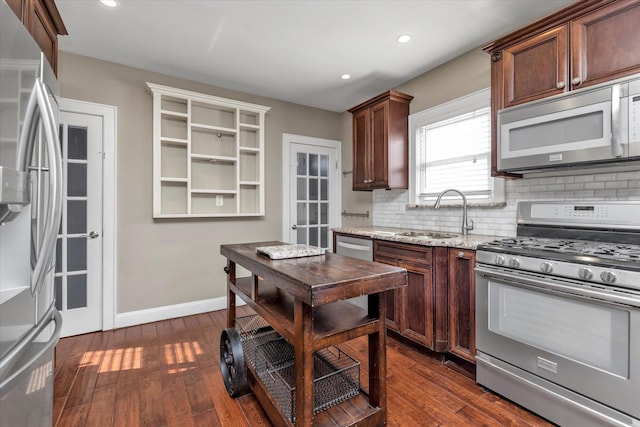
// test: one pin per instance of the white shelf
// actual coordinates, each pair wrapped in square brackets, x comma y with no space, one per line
[214,158]
[208,155]
[177,141]
[173,113]
[212,128]
[214,191]
[171,179]
[249,126]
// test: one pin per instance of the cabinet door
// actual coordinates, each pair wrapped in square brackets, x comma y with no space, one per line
[361,156]
[418,304]
[605,44]
[43,31]
[379,145]
[536,67]
[462,313]
[394,300]
[16,6]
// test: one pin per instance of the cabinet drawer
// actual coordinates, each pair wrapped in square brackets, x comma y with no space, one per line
[402,251]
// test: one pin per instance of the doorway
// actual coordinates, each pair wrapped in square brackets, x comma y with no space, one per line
[311,190]
[84,274]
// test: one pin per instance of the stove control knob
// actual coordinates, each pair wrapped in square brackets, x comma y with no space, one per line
[585,274]
[514,262]
[500,260]
[608,277]
[546,267]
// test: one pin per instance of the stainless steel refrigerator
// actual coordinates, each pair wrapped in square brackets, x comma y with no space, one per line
[30,212]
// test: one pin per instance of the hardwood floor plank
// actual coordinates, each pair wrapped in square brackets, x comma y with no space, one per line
[127,409]
[176,402]
[253,411]
[228,410]
[87,373]
[102,406]
[167,373]
[206,419]
[74,417]
[66,375]
[109,370]
[152,411]
[196,390]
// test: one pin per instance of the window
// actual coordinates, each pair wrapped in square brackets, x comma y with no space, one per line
[451,148]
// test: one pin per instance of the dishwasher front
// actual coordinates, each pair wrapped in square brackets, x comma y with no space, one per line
[355,247]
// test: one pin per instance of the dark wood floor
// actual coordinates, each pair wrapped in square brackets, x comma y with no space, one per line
[167,374]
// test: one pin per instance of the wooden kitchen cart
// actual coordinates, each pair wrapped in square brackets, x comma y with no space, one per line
[303,299]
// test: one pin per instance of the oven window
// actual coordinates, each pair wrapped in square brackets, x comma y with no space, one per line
[589,333]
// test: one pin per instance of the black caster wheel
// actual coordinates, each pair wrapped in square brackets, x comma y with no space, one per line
[232,366]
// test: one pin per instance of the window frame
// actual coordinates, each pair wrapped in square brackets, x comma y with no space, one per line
[459,106]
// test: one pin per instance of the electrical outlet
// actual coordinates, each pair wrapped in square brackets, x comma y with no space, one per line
[219,200]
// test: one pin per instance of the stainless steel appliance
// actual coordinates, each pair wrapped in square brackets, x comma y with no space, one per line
[558,312]
[30,211]
[595,125]
[356,248]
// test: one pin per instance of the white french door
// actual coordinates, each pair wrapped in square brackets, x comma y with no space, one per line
[311,190]
[78,273]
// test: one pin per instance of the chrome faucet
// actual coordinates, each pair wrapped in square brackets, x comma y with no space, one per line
[465,223]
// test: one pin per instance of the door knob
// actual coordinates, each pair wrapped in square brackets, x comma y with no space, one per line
[94,234]
[294,227]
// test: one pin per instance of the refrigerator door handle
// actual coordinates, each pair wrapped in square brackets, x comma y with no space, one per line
[54,316]
[39,109]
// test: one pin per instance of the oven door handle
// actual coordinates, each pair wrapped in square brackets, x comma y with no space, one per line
[553,285]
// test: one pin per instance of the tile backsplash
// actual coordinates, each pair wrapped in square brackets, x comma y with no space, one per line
[389,207]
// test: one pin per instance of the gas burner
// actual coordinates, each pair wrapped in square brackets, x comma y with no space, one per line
[598,252]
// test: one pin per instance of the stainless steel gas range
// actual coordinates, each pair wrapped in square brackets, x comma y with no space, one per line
[558,312]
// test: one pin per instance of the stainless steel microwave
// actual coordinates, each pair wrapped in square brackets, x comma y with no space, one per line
[595,125]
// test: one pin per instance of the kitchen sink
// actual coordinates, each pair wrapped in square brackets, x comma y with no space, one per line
[428,234]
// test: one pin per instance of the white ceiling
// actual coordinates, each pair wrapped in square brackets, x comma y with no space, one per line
[292,50]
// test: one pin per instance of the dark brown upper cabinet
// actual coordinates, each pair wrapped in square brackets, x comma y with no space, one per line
[587,43]
[381,142]
[42,19]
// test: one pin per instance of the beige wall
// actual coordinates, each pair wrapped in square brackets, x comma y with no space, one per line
[461,76]
[166,262]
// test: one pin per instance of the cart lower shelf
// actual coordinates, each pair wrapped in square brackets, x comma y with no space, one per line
[348,413]
[271,360]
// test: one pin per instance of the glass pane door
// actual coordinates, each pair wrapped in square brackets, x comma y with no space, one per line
[312,199]
[78,272]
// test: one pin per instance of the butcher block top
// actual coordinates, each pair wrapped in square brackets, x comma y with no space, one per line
[319,279]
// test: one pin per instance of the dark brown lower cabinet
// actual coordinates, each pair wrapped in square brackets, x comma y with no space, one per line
[462,303]
[437,307]
[418,311]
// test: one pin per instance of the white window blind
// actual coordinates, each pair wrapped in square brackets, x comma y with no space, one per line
[451,148]
[454,153]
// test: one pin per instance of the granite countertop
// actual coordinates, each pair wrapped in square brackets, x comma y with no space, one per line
[391,234]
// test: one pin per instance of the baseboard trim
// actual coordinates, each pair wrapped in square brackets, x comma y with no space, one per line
[139,317]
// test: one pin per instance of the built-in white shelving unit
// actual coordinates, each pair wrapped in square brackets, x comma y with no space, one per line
[208,155]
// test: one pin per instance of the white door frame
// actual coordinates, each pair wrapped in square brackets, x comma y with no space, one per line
[108,114]
[287,140]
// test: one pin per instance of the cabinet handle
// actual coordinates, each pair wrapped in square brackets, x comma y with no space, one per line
[460,254]
[576,81]
[560,85]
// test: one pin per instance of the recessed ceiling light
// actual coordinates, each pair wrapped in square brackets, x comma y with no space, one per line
[345,76]
[404,38]
[109,3]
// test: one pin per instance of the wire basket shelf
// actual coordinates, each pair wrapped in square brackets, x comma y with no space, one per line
[336,374]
